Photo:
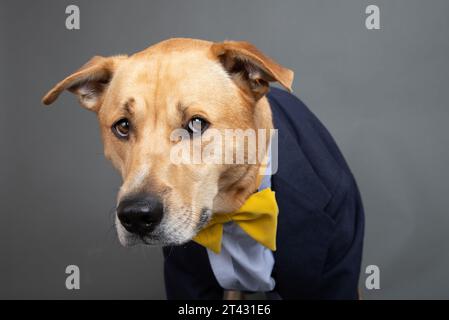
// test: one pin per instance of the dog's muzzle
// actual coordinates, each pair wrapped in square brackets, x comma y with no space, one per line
[140,214]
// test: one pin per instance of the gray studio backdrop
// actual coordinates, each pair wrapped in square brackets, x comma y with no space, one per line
[383,94]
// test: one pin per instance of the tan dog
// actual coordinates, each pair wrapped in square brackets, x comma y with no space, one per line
[141,99]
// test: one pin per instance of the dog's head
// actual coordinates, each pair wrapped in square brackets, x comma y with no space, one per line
[178,95]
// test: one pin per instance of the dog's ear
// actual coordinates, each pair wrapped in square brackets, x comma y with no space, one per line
[251,69]
[88,83]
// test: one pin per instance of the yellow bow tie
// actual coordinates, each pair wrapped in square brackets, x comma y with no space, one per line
[257,217]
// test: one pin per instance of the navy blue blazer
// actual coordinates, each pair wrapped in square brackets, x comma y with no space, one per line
[321,219]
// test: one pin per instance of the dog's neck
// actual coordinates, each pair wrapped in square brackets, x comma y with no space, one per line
[236,185]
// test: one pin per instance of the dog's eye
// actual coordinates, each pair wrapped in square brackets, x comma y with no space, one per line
[197,125]
[121,128]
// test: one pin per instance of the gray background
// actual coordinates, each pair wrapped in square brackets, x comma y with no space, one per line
[383,94]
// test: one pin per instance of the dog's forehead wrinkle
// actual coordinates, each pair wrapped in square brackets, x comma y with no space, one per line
[163,83]
[128,106]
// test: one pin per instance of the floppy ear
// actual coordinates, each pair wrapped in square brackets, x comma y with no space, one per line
[88,83]
[250,68]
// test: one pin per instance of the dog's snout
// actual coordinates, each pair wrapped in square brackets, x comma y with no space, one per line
[140,215]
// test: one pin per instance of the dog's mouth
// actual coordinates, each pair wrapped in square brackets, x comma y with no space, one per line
[176,230]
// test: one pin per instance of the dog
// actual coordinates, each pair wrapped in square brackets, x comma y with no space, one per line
[200,86]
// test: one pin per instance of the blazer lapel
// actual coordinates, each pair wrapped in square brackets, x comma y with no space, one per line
[294,169]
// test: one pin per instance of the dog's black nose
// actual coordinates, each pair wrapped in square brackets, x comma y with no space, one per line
[140,214]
